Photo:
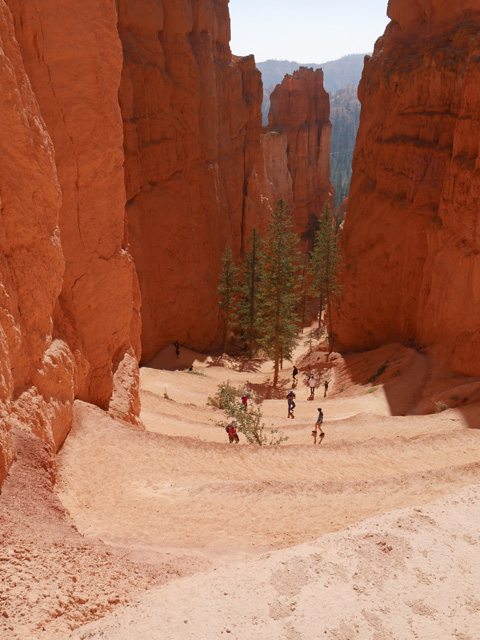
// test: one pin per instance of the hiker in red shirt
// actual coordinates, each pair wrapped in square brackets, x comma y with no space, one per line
[232,432]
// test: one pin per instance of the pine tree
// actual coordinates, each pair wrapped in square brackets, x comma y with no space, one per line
[248,308]
[279,323]
[227,290]
[326,263]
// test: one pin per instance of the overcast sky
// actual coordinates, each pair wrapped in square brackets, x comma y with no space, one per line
[305,30]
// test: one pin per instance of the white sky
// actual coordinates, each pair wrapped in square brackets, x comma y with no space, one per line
[305,30]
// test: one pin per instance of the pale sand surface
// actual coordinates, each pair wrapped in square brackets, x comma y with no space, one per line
[412,573]
[179,486]
[171,498]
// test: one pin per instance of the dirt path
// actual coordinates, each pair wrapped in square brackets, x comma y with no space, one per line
[175,498]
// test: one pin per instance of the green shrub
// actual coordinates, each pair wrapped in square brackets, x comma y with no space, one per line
[440,406]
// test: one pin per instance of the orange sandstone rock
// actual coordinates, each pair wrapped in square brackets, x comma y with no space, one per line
[73,57]
[300,114]
[192,123]
[411,235]
[31,262]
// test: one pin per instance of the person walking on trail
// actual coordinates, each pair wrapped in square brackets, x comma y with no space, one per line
[294,374]
[231,429]
[176,344]
[245,400]
[325,384]
[291,404]
[311,383]
[318,428]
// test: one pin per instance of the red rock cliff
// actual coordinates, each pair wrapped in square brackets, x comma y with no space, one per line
[298,135]
[411,234]
[192,120]
[31,259]
[70,303]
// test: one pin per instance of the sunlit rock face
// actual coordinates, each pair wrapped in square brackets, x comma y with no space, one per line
[33,365]
[70,303]
[411,235]
[192,121]
[300,115]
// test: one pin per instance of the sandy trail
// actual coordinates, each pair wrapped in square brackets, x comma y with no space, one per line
[172,498]
[180,484]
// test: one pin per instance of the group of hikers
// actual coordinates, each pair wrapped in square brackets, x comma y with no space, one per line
[312,383]
[317,431]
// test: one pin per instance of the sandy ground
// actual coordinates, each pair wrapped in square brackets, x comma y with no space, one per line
[174,499]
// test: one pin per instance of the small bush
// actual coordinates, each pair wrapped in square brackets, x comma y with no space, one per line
[440,406]
[249,420]
[371,390]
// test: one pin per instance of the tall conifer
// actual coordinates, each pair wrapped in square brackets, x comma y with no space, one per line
[325,267]
[249,301]
[279,324]
[227,290]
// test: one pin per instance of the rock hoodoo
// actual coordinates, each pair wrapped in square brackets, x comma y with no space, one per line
[411,234]
[299,133]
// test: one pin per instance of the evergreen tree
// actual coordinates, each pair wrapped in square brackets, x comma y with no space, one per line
[248,308]
[325,267]
[227,290]
[279,324]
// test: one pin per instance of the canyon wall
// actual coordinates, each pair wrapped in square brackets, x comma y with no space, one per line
[199,172]
[298,135]
[412,230]
[192,126]
[70,324]
[131,144]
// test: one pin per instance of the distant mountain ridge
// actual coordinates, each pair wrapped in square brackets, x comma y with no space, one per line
[338,74]
[341,78]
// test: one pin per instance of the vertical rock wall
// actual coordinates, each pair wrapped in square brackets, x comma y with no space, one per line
[412,231]
[299,122]
[32,363]
[73,57]
[192,125]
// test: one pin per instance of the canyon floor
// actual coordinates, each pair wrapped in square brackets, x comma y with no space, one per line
[169,532]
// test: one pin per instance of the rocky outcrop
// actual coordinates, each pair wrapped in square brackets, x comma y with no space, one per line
[69,296]
[32,363]
[411,234]
[297,145]
[192,126]
[75,73]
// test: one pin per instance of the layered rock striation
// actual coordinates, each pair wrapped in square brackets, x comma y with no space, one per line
[412,231]
[199,172]
[298,135]
[70,323]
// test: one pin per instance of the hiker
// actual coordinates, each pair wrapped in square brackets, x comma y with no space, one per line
[176,344]
[311,384]
[291,403]
[232,432]
[318,427]
[294,374]
[325,384]
[245,400]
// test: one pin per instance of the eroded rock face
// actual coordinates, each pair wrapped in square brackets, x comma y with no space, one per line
[299,114]
[192,125]
[411,234]
[69,308]
[31,261]
[73,58]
